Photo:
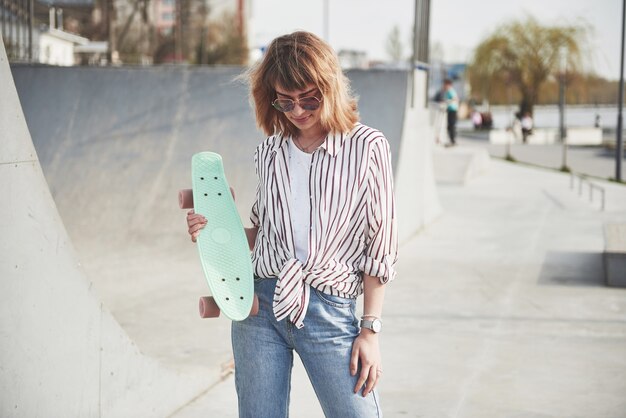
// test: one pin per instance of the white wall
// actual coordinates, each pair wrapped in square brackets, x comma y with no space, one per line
[55,51]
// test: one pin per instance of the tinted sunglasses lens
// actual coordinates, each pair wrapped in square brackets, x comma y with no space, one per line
[309,103]
[283,105]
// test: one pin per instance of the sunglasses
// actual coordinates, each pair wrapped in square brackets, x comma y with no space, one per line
[306,103]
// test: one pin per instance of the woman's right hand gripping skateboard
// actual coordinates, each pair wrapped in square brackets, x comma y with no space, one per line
[195,223]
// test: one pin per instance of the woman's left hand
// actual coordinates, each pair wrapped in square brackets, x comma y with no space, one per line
[366,351]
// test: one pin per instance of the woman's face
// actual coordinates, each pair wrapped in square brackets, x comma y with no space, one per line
[305,120]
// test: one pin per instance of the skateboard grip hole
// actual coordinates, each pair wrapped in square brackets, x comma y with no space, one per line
[201,178]
[237,279]
[219,194]
[215,178]
[241,298]
[206,194]
[223,280]
[227,298]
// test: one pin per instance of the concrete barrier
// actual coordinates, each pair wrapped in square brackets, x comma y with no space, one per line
[458,165]
[62,353]
[615,254]
[548,136]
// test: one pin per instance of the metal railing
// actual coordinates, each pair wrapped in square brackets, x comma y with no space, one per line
[592,186]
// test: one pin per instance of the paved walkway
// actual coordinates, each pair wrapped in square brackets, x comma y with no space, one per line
[593,161]
[499,309]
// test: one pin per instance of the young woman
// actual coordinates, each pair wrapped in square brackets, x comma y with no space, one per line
[324,232]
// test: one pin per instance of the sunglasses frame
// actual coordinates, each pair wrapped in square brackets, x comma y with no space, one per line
[297,102]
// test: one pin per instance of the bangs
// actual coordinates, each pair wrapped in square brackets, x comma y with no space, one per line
[292,68]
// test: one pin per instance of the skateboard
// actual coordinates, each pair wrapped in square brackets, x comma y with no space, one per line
[222,243]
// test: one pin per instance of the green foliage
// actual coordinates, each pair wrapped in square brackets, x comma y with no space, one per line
[522,55]
[222,44]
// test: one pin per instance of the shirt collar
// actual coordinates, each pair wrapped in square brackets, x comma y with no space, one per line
[332,144]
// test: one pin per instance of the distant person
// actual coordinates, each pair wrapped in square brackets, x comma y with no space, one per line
[439,123]
[598,121]
[527,126]
[477,120]
[452,106]
[323,232]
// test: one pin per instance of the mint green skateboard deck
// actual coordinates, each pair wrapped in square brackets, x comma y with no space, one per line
[222,243]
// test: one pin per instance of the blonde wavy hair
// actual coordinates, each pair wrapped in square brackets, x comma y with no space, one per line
[293,62]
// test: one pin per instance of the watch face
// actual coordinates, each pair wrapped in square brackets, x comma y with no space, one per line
[376,325]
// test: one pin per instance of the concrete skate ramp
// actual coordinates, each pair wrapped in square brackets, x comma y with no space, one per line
[62,353]
[115,146]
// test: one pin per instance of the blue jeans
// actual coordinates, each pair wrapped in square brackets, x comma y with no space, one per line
[264,348]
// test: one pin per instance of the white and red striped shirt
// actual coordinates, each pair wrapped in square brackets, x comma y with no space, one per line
[352,219]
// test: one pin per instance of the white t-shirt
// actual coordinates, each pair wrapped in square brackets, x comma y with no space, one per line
[299,170]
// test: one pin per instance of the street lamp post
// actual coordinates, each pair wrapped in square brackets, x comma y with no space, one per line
[511,137]
[326,22]
[619,150]
[562,131]
[421,29]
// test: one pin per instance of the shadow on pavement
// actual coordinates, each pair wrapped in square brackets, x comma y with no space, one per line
[572,269]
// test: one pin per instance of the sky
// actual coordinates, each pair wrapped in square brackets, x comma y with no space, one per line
[456,26]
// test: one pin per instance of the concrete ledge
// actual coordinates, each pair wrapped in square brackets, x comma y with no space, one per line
[546,136]
[459,165]
[615,254]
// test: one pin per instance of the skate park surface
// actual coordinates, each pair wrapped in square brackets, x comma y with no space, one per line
[499,309]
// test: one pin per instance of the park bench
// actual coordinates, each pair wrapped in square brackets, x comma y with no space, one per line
[615,254]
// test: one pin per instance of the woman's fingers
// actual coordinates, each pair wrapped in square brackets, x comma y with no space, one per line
[195,223]
[354,361]
[372,379]
[362,378]
[369,377]
[196,220]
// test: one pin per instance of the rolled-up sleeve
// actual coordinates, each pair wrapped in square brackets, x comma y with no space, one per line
[381,253]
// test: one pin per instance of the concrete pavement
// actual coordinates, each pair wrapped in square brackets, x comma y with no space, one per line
[499,309]
[595,161]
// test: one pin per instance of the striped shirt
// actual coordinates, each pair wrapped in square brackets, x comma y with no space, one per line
[352,219]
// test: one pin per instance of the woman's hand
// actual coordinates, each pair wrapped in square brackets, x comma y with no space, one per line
[366,351]
[195,223]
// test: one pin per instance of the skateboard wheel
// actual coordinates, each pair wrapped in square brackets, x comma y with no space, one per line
[208,308]
[185,199]
[255,306]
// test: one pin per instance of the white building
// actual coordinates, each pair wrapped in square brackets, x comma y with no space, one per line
[57,47]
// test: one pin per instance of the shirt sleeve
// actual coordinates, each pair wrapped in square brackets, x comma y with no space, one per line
[254,212]
[381,251]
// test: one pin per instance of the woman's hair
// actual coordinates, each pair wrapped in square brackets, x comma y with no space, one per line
[292,62]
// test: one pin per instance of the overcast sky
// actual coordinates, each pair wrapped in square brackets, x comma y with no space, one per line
[458,26]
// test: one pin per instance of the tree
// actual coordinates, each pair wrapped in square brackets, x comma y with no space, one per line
[523,54]
[223,43]
[394,45]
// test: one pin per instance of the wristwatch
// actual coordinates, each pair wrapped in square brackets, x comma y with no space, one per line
[374,324]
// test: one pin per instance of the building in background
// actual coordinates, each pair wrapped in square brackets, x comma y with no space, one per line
[43,30]
[56,47]
[164,16]
[353,59]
